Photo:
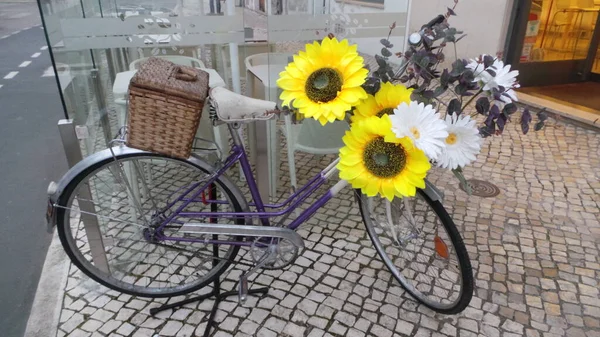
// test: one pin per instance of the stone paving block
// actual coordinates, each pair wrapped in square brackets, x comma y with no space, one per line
[534,251]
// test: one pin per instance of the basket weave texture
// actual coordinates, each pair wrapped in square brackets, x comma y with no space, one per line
[165,106]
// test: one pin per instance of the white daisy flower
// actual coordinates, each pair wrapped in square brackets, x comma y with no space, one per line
[463,143]
[495,76]
[421,124]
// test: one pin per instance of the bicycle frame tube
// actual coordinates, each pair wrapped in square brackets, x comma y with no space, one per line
[238,154]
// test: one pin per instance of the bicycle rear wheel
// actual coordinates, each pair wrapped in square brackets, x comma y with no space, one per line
[422,248]
[108,216]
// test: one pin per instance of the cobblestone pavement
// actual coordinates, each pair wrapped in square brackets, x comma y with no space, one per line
[534,249]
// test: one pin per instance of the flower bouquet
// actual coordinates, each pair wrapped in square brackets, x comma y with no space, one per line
[404,120]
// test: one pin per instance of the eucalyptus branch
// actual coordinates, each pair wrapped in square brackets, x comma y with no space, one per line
[472,99]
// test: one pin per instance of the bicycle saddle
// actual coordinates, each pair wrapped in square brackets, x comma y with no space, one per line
[232,107]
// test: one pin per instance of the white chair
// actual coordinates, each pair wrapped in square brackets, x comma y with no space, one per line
[181,60]
[312,137]
[265,68]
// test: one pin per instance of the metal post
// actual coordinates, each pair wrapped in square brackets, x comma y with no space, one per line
[234,55]
[101,102]
[72,148]
[111,67]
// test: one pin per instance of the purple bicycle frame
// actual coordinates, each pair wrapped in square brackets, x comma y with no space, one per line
[294,201]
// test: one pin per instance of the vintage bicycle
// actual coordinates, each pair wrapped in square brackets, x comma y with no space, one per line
[151,225]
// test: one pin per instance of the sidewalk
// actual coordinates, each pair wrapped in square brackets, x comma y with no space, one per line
[534,249]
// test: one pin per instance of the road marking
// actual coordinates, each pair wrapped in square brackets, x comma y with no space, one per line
[48,72]
[15,33]
[1,86]
[11,75]
[4,37]
[24,64]
[44,48]
[36,55]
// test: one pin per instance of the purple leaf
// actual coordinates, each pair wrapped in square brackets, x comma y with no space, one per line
[501,122]
[525,121]
[488,61]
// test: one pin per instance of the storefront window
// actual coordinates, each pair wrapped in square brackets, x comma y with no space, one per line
[559,30]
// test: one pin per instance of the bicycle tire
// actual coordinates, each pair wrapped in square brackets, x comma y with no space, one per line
[466,269]
[86,267]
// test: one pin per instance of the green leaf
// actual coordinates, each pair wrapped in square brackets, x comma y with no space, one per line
[461,89]
[386,43]
[454,107]
[458,68]
[510,109]
[386,52]
[439,91]
[445,79]
[483,105]
[539,125]
[458,173]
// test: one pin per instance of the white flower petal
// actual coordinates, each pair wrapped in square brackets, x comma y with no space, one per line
[422,124]
[467,146]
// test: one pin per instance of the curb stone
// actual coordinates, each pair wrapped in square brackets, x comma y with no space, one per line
[47,304]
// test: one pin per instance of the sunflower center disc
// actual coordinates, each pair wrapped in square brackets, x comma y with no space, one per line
[323,85]
[386,111]
[384,160]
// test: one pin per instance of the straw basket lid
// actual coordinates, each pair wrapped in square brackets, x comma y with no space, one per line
[166,77]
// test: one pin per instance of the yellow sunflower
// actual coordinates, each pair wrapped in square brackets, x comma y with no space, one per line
[377,162]
[384,102]
[325,81]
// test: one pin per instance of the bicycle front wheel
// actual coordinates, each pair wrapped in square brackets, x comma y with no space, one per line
[108,219]
[422,248]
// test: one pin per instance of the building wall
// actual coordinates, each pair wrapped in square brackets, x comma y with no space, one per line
[485,22]
[372,45]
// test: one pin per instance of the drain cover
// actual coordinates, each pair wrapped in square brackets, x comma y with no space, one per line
[482,188]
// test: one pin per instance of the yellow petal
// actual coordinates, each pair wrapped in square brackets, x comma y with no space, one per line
[322,120]
[372,188]
[353,95]
[388,189]
[357,79]
[402,186]
[354,66]
[295,72]
[291,84]
[351,174]
[350,158]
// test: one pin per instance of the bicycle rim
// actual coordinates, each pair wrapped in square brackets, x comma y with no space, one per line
[422,248]
[106,221]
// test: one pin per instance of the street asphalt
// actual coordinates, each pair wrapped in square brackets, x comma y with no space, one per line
[31,155]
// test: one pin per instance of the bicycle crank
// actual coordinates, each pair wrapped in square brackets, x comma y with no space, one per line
[273,247]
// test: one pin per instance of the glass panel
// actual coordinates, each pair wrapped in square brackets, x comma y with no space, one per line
[362,22]
[559,30]
[99,44]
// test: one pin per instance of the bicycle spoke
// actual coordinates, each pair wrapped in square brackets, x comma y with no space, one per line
[128,220]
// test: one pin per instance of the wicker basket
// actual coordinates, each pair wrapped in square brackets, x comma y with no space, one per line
[165,106]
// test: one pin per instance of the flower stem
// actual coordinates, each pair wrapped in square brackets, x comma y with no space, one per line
[471,100]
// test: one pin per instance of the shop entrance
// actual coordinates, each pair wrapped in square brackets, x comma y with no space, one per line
[555,41]
[555,47]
